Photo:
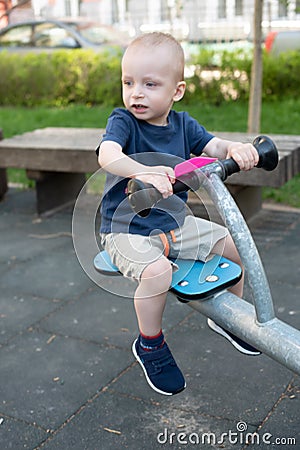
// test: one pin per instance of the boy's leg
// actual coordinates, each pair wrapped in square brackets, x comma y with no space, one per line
[150,296]
[150,349]
[142,258]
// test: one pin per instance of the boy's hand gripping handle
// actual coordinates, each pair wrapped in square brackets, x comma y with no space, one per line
[143,196]
[267,152]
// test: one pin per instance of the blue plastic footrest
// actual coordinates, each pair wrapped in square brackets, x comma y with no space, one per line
[196,280]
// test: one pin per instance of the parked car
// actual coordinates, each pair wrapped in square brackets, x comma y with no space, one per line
[282,41]
[49,35]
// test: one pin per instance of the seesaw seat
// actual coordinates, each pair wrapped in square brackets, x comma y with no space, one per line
[194,280]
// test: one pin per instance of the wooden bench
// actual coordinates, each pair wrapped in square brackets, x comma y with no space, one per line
[58,159]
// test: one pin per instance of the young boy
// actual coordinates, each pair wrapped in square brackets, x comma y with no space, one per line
[145,141]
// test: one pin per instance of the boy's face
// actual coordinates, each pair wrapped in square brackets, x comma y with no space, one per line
[149,83]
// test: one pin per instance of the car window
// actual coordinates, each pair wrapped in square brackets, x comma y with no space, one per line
[20,36]
[51,36]
[96,35]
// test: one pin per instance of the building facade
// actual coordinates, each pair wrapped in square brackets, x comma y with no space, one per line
[196,20]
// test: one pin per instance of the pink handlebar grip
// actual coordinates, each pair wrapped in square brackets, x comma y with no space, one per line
[192,164]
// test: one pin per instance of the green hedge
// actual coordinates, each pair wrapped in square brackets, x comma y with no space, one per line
[81,76]
[232,76]
[60,78]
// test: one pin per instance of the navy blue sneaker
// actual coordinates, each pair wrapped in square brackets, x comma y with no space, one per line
[238,343]
[160,369]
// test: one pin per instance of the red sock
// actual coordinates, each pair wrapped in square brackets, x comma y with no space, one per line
[150,343]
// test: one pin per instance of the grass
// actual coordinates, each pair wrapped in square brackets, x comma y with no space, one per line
[277,117]
[17,120]
[281,117]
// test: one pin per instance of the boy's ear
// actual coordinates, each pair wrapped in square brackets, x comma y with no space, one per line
[180,90]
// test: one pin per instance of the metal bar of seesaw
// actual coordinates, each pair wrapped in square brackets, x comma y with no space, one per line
[242,237]
[275,338]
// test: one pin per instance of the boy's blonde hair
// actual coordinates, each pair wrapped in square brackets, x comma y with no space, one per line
[157,39]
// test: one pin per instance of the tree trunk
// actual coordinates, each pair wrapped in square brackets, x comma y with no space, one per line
[254,112]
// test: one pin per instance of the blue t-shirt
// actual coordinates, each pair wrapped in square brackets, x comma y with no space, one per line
[150,145]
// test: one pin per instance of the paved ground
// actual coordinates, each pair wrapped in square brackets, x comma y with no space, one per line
[69,380]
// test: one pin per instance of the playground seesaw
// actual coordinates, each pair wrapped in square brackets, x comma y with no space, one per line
[203,286]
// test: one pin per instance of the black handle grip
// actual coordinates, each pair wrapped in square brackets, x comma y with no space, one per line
[143,196]
[267,152]
[230,167]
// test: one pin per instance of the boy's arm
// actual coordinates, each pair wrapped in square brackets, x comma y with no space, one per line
[112,159]
[245,155]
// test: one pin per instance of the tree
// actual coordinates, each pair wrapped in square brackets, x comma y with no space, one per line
[254,112]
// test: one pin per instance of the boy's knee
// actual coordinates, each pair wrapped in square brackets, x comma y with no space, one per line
[159,270]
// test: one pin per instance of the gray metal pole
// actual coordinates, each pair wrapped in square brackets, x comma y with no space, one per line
[275,338]
[241,235]
[255,324]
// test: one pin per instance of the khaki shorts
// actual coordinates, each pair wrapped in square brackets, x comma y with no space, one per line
[132,253]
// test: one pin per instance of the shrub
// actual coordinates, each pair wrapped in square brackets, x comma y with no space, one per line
[25,80]
[220,76]
[82,76]
[231,76]
[59,78]
[104,82]
[281,76]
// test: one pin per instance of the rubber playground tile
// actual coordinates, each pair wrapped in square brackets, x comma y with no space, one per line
[55,274]
[20,201]
[286,303]
[270,227]
[282,426]
[212,367]
[282,267]
[18,312]
[117,422]
[102,317]
[19,435]
[281,259]
[23,240]
[248,381]
[46,378]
